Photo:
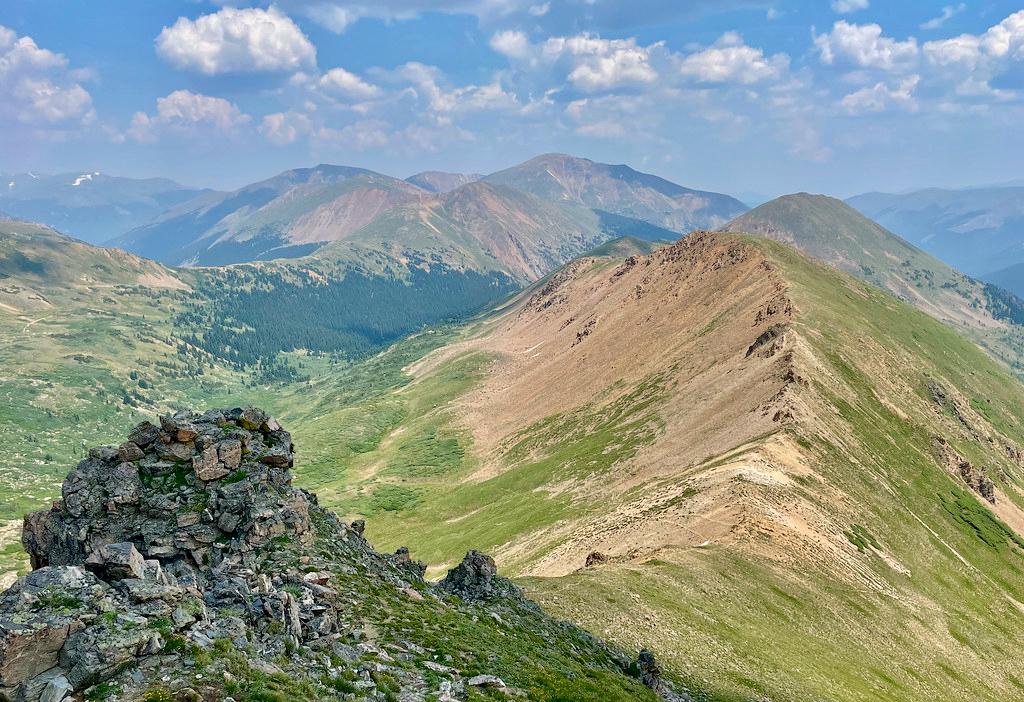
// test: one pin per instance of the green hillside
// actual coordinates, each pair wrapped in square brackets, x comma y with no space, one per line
[859,566]
[833,232]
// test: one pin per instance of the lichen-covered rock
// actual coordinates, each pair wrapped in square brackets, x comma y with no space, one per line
[183,564]
[652,678]
[116,562]
[200,488]
[476,578]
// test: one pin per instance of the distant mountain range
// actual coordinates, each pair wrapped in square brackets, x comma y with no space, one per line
[978,230]
[91,206]
[286,216]
[571,204]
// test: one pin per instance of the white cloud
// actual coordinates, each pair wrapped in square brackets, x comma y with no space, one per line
[511,43]
[972,61]
[236,41]
[730,60]
[188,114]
[444,102]
[588,62]
[844,7]
[283,128]
[863,45]
[37,88]
[53,103]
[341,82]
[1004,41]
[335,18]
[602,64]
[881,97]
[948,12]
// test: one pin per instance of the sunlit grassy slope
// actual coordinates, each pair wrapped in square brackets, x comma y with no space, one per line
[912,590]
[833,232]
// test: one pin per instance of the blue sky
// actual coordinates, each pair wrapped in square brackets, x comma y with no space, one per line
[835,96]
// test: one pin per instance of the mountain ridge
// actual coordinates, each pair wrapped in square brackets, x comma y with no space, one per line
[621,190]
[836,233]
[747,440]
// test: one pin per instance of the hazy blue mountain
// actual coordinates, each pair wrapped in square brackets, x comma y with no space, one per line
[91,206]
[978,230]
[1010,278]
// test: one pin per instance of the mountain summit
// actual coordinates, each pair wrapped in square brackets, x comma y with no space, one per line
[835,233]
[620,190]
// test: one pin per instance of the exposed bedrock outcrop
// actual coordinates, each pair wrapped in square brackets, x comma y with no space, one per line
[183,564]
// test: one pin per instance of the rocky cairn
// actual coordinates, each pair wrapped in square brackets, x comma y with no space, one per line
[183,565]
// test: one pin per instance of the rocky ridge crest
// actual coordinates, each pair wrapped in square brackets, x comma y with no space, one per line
[183,565]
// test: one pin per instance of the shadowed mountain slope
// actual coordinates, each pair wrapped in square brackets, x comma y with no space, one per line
[287,216]
[487,227]
[1010,278]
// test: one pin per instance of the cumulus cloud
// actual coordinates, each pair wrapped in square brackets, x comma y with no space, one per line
[187,114]
[236,41]
[881,97]
[37,88]
[283,128]
[338,81]
[731,60]
[845,7]
[863,46]
[511,43]
[589,62]
[602,64]
[1004,41]
[972,61]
